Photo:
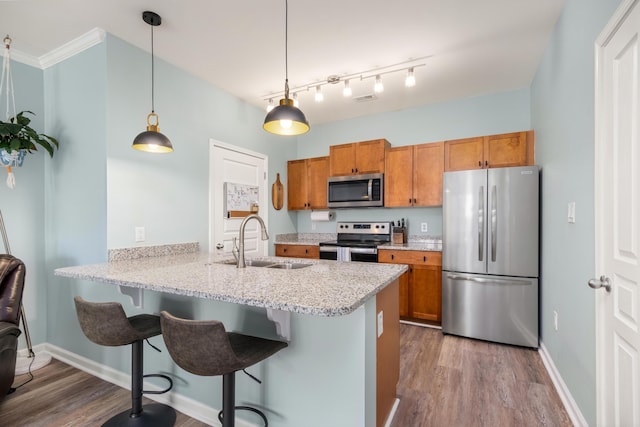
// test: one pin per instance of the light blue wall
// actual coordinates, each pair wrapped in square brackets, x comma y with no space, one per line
[562,111]
[23,207]
[483,115]
[76,205]
[169,194]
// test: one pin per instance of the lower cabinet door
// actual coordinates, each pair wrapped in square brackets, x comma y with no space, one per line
[404,295]
[425,292]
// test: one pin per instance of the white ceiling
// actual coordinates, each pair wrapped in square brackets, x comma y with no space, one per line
[472,47]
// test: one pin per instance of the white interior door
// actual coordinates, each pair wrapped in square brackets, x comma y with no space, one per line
[238,166]
[617,178]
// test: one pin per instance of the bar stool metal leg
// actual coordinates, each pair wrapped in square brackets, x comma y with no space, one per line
[229,399]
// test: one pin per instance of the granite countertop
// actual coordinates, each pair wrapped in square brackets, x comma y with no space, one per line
[414,244]
[426,245]
[326,288]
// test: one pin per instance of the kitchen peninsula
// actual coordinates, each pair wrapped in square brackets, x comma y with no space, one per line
[342,363]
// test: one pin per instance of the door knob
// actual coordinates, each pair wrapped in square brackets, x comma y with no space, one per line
[603,282]
[220,246]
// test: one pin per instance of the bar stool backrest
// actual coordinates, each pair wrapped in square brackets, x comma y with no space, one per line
[105,323]
[201,347]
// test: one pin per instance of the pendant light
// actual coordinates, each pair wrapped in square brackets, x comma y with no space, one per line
[152,140]
[286,119]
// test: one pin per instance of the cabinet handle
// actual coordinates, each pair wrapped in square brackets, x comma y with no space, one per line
[479,164]
[352,170]
[393,256]
[306,251]
[284,250]
[424,258]
[409,201]
[414,201]
[486,163]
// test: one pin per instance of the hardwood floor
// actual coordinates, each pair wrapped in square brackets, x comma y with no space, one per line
[452,381]
[444,381]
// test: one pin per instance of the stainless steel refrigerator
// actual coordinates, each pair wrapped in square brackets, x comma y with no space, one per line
[490,254]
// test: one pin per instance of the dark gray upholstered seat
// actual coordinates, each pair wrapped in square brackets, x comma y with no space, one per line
[204,347]
[107,324]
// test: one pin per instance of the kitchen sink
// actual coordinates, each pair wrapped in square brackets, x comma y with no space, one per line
[289,265]
[268,264]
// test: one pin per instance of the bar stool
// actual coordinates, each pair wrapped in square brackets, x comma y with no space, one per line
[203,347]
[107,324]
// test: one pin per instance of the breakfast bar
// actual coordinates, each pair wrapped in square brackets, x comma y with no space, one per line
[341,320]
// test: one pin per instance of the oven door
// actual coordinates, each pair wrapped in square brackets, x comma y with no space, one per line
[346,254]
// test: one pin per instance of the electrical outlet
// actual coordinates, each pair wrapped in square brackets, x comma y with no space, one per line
[571,213]
[424,227]
[380,322]
[555,320]
[139,234]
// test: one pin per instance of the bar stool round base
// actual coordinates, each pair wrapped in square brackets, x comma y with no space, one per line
[153,415]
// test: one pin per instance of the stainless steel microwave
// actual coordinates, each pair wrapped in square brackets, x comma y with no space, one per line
[355,191]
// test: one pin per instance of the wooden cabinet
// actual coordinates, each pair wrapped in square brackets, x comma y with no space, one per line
[493,151]
[298,251]
[413,175]
[307,183]
[422,296]
[357,158]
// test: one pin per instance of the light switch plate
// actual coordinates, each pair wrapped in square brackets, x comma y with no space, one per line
[424,227]
[380,322]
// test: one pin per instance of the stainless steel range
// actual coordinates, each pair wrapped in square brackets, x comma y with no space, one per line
[357,241]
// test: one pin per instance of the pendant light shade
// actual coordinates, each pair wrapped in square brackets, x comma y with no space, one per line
[286,119]
[151,140]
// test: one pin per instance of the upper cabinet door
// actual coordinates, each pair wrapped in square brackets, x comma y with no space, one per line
[493,151]
[428,166]
[296,185]
[509,149]
[398,177]
[370,156]
[464,154]
[358,158]
[342,159]
[317,174]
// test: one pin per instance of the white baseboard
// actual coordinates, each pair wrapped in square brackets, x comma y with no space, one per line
[423,325]
[392,413]
[186,405]
[570,404]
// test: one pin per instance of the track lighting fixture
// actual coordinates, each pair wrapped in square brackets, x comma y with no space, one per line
[408,67]
[152,141]
[347,92]
[410,80]
[378,87]
[286,119]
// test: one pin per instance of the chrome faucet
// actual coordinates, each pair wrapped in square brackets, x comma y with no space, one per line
[265,236]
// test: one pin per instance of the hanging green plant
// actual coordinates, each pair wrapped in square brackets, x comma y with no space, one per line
[16,135]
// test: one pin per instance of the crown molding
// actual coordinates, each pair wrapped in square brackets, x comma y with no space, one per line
[74,47]
[67,50]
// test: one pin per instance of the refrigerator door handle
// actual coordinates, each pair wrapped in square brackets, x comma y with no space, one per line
[493,280]
[494,222]
[481,224]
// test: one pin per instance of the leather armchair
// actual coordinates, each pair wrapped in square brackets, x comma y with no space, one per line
[12,273]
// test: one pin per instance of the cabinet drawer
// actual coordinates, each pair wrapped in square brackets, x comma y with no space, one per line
[410,257]
[298,251]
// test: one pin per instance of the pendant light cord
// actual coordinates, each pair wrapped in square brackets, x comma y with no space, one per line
[286,49]
[152,74]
